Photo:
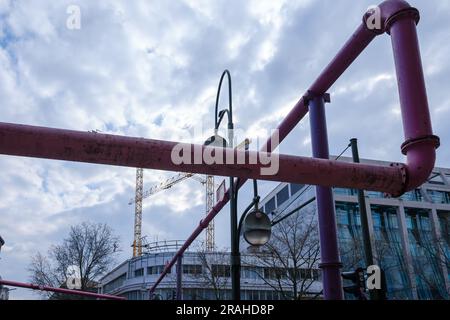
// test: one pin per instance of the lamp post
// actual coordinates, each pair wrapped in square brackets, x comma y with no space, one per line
[218,141]
[256,224]
[367,242]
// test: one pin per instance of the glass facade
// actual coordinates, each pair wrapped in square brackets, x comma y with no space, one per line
[388,249]
[349,235]
[444,241]
[424,253]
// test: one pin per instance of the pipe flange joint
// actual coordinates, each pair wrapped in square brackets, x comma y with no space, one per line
[429,139]
[387,13]
[404,174]
[310,95]
[411,13]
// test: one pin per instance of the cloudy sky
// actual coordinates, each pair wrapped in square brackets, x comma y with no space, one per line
[151,69]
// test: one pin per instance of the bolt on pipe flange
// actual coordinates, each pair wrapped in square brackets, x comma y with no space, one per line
[404,174]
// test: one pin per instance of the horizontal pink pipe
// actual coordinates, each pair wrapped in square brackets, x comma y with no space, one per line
[59,290]
[59,144]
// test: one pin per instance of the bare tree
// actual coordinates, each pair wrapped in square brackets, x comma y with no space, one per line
[89,249]
[432,256]
[215,273]
[290,259]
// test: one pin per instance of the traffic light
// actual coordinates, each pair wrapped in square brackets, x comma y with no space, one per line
[358,287]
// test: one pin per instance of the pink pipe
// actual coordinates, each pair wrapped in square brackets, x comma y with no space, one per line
[59,290]
[420,144]
[116,150]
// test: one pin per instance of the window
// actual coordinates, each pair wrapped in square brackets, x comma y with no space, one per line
[133,295]
[282,196]
[374,194]
[295,188]
[139,272]
[345,191]
[439,196]
[274,273]
[194,269]
[220,270]
[435,178]
[114,284]
[305,273]
[156,270]
[270,206]
[315,274]
[249,273]
[414,195]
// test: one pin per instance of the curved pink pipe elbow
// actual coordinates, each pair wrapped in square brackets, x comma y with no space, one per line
[399,20]
[419,165]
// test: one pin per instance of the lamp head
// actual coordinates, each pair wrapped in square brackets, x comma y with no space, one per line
[216,141]
[257,228]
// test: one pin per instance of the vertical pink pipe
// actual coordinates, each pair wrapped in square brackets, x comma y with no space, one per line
[420,143]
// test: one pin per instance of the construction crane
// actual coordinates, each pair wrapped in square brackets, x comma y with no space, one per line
[167,184]
[141,195]
[137,242]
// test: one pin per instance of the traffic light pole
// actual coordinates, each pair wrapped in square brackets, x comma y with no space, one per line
[368,254]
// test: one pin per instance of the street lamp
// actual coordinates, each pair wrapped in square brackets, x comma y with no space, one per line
[218,141]
[256,224]
[257,228]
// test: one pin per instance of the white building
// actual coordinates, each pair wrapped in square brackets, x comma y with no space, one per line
[205,276]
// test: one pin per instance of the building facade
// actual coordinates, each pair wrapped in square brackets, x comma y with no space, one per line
[410,235]
[205,276]
[410,239]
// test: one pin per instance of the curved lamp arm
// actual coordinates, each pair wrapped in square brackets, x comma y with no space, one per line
[230,102]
